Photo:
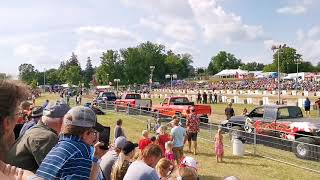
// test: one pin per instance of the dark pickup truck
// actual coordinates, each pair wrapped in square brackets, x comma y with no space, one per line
[285,122]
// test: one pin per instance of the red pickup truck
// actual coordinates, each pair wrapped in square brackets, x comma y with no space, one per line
[133,100]
[181,106]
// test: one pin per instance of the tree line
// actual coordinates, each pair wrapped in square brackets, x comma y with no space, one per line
[133,65]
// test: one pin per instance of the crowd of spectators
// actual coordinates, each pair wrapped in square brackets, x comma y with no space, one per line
[259,84]
[63,143]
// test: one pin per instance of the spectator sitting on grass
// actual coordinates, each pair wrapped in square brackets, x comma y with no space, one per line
[145,140]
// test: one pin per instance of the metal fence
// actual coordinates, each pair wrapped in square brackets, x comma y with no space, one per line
[261,145]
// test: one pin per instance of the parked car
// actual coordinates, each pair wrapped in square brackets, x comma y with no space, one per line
[285,122]
[181,106]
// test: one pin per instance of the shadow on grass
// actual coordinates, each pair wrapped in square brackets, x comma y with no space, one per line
[204,154]
[206,177]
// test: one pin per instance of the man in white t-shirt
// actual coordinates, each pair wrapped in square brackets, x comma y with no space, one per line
[144,169]
[178,134]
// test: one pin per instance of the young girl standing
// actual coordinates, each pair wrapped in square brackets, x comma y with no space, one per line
[218,143]
[169,153]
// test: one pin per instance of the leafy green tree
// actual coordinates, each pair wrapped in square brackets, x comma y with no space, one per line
[110,67]
[73,61]
[270,68]
[52,77]
[27,73]
[88,73]
[70,71]
[33,84]
[223,60]
[252,66]
[73,74]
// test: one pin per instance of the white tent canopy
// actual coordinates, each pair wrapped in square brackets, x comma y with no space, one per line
[293,76]
[67,86]
[231,73]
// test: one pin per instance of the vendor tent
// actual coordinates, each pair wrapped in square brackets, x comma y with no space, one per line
[232,73]
[67,86]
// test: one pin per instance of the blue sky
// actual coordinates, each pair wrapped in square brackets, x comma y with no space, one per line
[44,32]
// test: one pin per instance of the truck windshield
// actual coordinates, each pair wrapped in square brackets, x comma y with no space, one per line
[133,96]
[289,112]
[108,94]
[179,100]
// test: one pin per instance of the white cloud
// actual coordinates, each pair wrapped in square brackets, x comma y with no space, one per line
[308,44]
[36,54]
[179,47]
[106,32]
[173,27]
[93,40]
[150,23]
[29,50]
[295,7]
[168,7]
[217,24]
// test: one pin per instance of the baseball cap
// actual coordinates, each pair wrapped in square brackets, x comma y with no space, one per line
[37,111]
[129,147]
[120,142]
[82,117]
[56,110]
[190,162]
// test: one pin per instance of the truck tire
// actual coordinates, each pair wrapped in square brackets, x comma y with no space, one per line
[204,119]
[235,131]
[301,147]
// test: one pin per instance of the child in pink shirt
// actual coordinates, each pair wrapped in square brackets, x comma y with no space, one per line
[169,153]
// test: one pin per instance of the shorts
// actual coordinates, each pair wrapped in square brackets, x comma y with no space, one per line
[307,108]
[178,153]
[192,136]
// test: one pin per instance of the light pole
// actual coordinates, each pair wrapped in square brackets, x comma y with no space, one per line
[117,81]
[108,83]
[278,48]
[151,75]
[297,62]
[44,79]
[171,77]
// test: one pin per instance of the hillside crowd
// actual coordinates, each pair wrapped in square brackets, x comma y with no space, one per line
[260,84]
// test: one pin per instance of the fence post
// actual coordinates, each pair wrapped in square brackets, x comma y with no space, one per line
[210,131]
[254,141]
[128,109]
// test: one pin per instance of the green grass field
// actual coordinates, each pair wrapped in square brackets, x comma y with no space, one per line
[247,167]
